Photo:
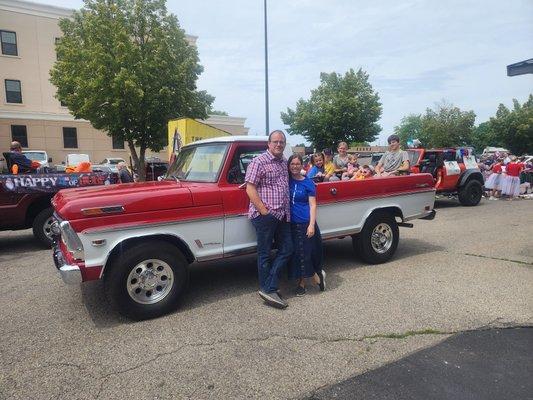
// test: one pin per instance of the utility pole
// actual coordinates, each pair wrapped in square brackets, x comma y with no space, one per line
[266,70]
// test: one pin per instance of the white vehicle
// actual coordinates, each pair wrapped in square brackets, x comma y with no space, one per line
[489,151]
[111,163]
[38,155]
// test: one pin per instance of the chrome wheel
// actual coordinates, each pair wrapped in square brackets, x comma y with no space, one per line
[382,238]
[150,281]
[47,228]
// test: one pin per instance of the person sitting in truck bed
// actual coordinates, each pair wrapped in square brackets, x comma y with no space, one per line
[23,163]
[395,161]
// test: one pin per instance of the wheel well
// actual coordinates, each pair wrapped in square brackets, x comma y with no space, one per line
[392,210]
[35,208]
[129,243]
[477,176]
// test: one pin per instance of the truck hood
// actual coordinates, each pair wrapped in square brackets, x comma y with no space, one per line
[133,197]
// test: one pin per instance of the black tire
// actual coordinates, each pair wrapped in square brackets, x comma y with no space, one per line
[385,226]
[471,193]
[119,280]
[41,227]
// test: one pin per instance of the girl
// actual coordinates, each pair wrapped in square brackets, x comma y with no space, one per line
[340,161]
[511,182]
[351,167]
[306,260]
[494,181]
[316,173]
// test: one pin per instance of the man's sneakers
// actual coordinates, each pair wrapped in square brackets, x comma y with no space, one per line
[299,291]
[322,283]
[273,299]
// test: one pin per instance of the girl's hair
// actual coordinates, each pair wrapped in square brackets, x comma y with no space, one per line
[299,157]
[342,143]
[319,154]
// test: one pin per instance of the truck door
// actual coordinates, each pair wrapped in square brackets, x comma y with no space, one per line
[239,233]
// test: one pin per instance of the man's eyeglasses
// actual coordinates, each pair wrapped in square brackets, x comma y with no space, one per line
[277,142]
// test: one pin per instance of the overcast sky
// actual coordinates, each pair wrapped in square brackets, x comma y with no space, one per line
[417,52]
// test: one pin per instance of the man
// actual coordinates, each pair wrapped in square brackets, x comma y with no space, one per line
[123,173]
[394,161]
[23,163]
[267,186]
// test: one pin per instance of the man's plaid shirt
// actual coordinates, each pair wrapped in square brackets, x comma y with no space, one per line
[271,177]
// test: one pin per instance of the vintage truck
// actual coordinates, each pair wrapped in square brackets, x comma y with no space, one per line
[141,238]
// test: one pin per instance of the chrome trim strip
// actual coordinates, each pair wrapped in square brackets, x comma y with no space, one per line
[336,234]
[236,215]
[151,225]
[376,197]
[241,252]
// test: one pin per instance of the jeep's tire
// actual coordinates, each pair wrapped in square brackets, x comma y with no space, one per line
[147,280]
[41,227]
[471,193]
[378,240]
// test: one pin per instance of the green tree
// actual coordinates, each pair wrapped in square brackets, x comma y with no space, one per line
[514,128]
[342,108]
[410,128]
[126,66]
[217,112]
[447,126]
[483,136]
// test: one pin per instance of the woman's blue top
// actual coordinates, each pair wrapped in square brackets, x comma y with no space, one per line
[300,190]
[314,170]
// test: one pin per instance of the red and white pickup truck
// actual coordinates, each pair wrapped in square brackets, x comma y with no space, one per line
[140,238]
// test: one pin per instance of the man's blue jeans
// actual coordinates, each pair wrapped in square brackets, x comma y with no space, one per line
[269,229]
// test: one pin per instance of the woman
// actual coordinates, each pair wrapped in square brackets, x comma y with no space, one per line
[306,260]
[511,182]
[341,160]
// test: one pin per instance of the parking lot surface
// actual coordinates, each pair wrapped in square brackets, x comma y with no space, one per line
[470,269]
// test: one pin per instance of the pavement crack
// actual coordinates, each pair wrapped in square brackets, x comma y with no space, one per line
[499,259]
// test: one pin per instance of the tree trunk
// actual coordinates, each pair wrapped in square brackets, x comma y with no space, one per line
[142,164]
[135,157]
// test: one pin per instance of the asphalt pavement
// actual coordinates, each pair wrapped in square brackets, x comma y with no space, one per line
[469,270]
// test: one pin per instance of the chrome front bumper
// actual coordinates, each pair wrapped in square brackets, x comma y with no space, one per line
[70,274]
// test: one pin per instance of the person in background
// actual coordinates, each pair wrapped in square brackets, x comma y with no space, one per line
[494,182]
[267,186]
[329,167]
[306,261]
[351,168]
[23,163]
[395,161]
[316,173]
[340,161]
[123,173]
[511,182]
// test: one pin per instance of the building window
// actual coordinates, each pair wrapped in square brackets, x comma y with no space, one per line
[70,138]
[9,43]
[118,143]
[13,92]
[19,134]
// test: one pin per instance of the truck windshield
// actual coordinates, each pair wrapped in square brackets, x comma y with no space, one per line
[35,155]
[198,163]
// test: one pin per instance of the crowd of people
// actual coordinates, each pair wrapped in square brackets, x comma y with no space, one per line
[343,166]
[502,176]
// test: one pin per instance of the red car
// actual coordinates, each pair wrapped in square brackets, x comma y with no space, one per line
[454,174]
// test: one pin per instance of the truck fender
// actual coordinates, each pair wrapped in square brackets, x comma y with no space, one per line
[393,209]
[471,174]
[131,241]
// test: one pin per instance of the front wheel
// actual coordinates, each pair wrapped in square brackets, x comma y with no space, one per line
[42,225]
[378,240]
[471,193]
[147,280]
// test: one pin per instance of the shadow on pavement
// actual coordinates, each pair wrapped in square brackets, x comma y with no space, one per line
[218,280]
[19,243]
[476,365]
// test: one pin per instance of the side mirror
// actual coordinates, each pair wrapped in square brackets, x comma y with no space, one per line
[50,159]
[62,162]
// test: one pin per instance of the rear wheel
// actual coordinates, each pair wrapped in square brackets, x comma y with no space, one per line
[471,193]
[147,280]
[379,238]
[41,226]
